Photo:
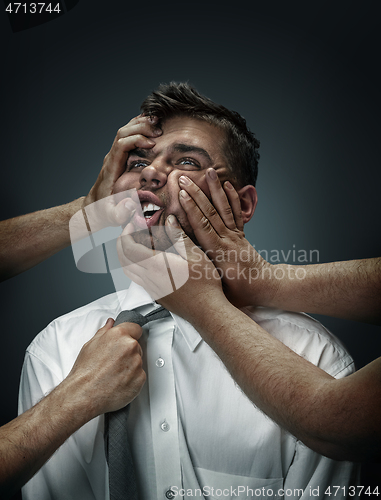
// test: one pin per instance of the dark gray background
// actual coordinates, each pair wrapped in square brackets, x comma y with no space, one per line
[304,74]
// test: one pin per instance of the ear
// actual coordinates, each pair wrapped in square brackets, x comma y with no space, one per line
[248,197]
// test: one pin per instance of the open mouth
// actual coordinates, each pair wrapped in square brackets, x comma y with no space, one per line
[151,210]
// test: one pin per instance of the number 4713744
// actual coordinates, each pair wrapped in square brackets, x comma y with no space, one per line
[32,8]
[351,491]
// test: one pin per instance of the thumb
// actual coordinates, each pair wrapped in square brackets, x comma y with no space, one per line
[109,323]
[124,211]
[183,245]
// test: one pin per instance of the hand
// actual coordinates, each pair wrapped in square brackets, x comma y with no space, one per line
[182,279]
[108,373]
[218,228]
[136,134]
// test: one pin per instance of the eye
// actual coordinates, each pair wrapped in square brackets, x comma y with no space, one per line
[136,165]
[188,162]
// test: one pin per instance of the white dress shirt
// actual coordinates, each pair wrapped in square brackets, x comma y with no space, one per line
[193,432]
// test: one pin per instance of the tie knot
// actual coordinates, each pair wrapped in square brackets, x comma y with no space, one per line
[135,317]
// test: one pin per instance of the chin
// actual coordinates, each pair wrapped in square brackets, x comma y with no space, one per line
[154,238]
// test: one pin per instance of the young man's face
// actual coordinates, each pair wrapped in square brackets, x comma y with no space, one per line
[187,146]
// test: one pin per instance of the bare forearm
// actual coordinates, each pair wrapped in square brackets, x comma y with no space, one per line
[337,418]
[106,376]
[28,441]
[349,290]
[29,239]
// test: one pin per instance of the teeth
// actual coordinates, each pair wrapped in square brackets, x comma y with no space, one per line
[150,208]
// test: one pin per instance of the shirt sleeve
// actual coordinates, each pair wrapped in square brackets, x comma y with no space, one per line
[313,476]
[78,469]
[324,477]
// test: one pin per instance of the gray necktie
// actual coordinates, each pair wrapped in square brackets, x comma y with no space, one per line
[122,477]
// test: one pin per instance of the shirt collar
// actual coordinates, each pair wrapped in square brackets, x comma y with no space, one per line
[136,296]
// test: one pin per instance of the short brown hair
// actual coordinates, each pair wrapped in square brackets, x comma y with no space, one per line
[181,99]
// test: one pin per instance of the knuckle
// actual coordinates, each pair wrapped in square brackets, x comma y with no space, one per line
[136,366]
[227,210]
[120,143]
[139,363]
[205,224]
[133,344]
[135,330]
[211,212]
[227,207]
[196,188]
[141,138]
[134,362]
[142,378]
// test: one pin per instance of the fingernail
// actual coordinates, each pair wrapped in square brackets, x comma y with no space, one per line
[157,131]
[228,185]
[171,219]
[184,195]
[212,174]
[185,180]
[130,205]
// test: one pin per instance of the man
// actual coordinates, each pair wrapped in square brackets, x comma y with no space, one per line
[191,429]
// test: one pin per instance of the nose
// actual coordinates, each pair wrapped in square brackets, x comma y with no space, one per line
[154,176]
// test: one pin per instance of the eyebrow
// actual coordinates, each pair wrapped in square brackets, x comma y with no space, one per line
[176,148]
[187,148]
[142,153]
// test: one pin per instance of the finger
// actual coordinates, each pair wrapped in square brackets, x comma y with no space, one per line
[219,199]
[124,145]
[203,229]
[204,205]
[235,203]
[155,281]
[114,164]
[183,245]
[136,278]
[176,235]
[124,211]
[131,252]
[144,125]
[109,324]
[131,329]
[128,138]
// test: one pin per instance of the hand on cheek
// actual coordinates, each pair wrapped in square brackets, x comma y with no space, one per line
[218,227]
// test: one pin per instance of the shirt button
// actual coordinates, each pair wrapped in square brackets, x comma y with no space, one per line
[170,494]
[160,362]
[165,427]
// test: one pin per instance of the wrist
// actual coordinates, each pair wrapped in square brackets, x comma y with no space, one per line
[279,286]
[263,284]
[206,309]
[88,199]
[219,323]
[71,399]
